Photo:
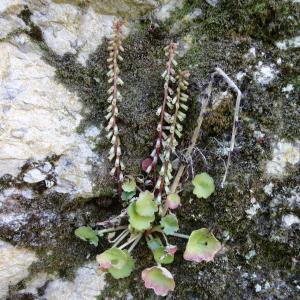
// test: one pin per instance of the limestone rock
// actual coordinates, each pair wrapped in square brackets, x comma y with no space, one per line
[125,8]
[265,74]
[164,12]
[14,264]
[87,285]
[9,21]
[284,153]
[39,119]
[34,175]
[212,2]
[290,219]
[67,28]
[290,43]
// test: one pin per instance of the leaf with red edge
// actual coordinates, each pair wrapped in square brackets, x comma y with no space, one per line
[202,246]
[159,279]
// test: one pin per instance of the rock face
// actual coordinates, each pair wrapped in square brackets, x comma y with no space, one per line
[14,264]
[125,8]
[9,22]
[88,284]
[39,120]
[53,154]
[67,29]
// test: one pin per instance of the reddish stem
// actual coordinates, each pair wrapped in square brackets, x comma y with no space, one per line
[172,48]
[117,27]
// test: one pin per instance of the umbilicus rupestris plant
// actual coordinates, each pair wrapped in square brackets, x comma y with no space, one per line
[151,213]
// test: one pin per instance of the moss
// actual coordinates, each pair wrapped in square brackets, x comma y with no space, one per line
[274,254]
[263,20]
[52,220]
[34,32]
[220,119]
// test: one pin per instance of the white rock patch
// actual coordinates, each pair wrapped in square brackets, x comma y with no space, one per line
[265,74]
[128,8]
[240,75]
[9,21]
[13,220]
[39,118]
[283,153]
[67,28]
[252,211]
[87,285]
[251,54]
[9,5]
[212,2]
[268,189]
[164,12]
[291,43]
[289,220]
[5,194]
[289,88]
[14,264]
[34,175]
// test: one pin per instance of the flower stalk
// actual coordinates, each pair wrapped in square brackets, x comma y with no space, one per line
[168,75]
[114,48]
[175,132]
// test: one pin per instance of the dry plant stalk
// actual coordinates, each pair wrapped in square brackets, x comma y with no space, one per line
[205,101]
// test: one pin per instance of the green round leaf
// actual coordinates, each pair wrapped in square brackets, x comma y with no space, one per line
[159,279]
[204,185]
[117,262]
[162,256]
[202,246]
[129,185]
[124,272]
[169,224]
[86,233]
[145,205]
[137,221]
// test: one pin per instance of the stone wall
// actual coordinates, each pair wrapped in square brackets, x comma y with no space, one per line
[53,154]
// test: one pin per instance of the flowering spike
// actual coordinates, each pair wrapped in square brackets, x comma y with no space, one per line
[175,129]
[115,45]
